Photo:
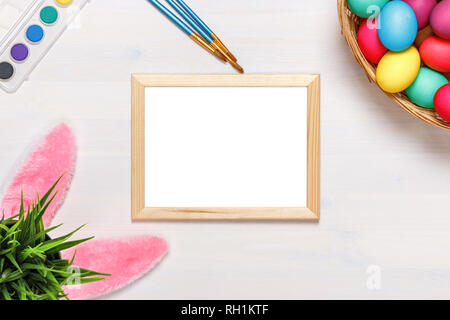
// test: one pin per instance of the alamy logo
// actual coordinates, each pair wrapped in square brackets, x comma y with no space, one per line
[74,280]
[374,277]
[372,21]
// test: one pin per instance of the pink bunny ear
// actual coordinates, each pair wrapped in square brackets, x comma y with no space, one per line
[125,259]
[53,156]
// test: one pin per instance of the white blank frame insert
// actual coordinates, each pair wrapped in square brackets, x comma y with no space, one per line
[227,147]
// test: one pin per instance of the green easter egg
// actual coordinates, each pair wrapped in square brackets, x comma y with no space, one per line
[366,8]
[424,88]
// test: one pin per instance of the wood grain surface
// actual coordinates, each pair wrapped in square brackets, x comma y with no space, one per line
[385,179]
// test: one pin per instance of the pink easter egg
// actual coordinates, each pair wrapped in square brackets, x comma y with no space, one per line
[369,43]
[422,9]
[435,52]
[440,19]
[442,102]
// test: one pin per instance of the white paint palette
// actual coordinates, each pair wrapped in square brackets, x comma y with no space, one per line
[28,29]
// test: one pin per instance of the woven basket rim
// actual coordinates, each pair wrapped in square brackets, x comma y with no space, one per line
[349,28]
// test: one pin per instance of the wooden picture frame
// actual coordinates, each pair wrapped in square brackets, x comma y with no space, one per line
[141,213]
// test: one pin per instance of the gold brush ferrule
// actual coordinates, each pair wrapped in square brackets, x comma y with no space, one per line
[222,45]
[233,63]
[220,56]
[207,46]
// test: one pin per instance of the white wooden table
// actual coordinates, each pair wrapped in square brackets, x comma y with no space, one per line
[385,175]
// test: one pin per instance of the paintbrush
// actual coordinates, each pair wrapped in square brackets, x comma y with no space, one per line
[204,34]
[205,28]
[201,37]
[186,29]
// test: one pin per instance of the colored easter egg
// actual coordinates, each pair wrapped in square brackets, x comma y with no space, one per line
[370,44]
[440,19]
[366,8]
[442,102]
[398,70]
[435,52]
[424,88]
[397,26]
[422,9]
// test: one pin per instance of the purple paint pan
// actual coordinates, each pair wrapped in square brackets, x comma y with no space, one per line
[19,52]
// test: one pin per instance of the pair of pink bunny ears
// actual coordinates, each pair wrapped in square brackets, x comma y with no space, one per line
[126,259]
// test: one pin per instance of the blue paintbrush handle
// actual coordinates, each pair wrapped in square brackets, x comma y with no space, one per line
[191,22]
[195,17]
[180,24]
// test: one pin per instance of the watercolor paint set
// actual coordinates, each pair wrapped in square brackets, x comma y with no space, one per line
[28,29]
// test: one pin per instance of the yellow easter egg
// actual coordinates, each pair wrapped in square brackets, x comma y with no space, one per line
[398,70]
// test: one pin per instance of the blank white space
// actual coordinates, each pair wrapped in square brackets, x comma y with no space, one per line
[225,147]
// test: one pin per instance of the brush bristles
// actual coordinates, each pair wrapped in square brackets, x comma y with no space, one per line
[236,66]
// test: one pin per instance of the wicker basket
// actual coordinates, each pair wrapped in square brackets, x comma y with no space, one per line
[349,26]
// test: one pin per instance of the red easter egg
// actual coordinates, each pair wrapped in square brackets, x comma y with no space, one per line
[442,102]
[369,43]
[435,52]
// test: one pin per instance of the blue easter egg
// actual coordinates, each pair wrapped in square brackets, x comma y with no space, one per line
[397,26]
